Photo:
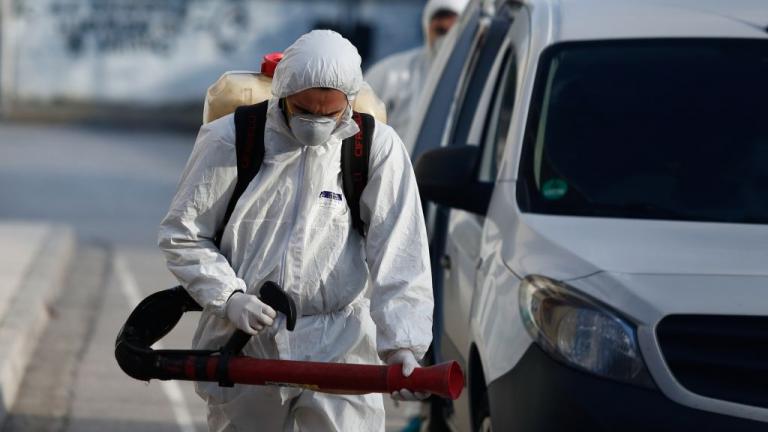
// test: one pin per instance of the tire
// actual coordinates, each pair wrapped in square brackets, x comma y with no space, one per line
[481,414]
[439,411]
[481,407]
[485,426]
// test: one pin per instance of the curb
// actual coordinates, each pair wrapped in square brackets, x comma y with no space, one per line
[30,309]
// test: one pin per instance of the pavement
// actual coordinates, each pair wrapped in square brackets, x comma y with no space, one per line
[34,261]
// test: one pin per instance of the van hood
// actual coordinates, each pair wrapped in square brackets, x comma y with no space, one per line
[568,247]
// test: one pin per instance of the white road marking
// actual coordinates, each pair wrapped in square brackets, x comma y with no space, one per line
[171,388]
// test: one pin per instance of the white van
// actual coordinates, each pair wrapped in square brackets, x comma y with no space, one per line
[601,169]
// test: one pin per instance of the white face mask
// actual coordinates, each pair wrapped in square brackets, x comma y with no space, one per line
[436,44]
[312,130]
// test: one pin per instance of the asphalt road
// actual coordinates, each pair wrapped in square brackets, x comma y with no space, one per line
[113,186]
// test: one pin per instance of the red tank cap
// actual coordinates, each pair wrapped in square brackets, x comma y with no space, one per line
[269,63]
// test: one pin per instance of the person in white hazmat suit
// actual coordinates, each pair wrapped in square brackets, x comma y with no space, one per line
[399,78]
[359,299]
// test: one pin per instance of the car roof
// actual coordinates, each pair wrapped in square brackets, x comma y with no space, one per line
[564,20]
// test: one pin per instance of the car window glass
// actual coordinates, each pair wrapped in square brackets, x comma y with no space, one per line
[433,125]
[497,124]
[649,129]
[476,85]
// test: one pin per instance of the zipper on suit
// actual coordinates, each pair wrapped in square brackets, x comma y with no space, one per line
[299,196]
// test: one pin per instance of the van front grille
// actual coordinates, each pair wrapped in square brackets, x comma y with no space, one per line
[722,357]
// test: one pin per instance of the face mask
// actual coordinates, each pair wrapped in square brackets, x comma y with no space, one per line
[312,130]
[436,44]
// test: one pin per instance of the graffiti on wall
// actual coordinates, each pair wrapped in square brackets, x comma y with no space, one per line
[156,51]
[107,26]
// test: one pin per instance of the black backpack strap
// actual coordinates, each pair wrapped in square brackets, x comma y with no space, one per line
[355,154]
[249,146]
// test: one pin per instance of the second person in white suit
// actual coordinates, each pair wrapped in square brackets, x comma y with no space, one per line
[399,79]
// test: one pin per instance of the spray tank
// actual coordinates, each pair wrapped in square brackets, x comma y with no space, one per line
[238,88]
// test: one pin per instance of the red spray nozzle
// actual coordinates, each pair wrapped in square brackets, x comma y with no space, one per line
[269,63]
[445,380]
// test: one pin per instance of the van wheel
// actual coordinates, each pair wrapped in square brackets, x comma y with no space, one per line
[478,393]
[439,411]
[481,420]
[486,425]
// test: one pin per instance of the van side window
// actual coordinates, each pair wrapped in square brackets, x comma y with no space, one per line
[498,121]
[431,130]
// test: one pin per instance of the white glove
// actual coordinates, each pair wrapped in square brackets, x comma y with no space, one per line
[248,313]
[409,362]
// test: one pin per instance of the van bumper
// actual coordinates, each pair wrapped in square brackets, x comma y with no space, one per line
[541,394]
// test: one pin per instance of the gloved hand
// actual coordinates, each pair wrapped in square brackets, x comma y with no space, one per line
[409,362]
[248,313]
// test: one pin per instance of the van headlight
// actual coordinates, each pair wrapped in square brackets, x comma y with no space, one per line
[581,332]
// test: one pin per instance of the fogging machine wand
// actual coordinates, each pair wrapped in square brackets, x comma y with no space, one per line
[159,313]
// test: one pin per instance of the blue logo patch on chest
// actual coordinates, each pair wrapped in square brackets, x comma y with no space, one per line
[330,195]
[330,199]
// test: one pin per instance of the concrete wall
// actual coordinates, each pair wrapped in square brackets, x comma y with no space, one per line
[161,52]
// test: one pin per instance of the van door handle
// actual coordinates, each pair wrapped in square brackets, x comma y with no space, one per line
[445,262]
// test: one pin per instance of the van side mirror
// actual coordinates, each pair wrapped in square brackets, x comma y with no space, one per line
[448,176]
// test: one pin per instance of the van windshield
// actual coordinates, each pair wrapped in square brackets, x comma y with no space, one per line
[655,129]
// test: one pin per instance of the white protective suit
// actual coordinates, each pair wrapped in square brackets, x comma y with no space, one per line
[399,78]
[286,230]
